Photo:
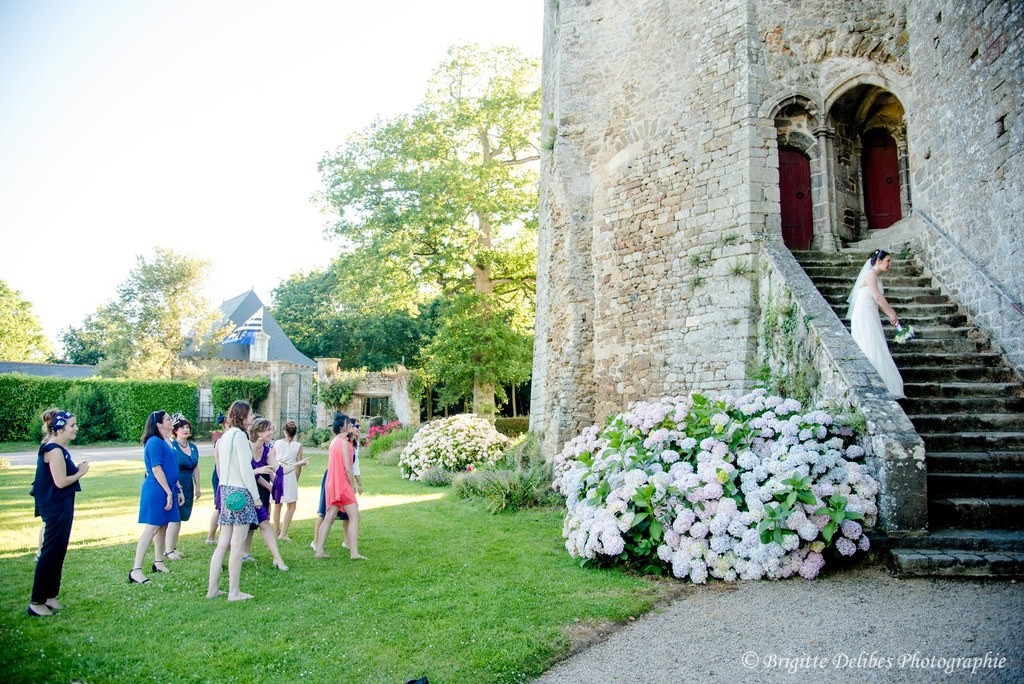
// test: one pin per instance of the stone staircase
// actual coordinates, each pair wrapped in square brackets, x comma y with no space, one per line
[967,404]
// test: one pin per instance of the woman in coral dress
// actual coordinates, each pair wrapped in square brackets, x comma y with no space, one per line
[340,491]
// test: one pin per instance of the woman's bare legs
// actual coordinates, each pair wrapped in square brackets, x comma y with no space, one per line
[323,530]
[316,530]
[217,562]
[211,536]
[268,536]
[276,517]
[148,532]
[352,532]
[238,534]
[289,511]
[173,530]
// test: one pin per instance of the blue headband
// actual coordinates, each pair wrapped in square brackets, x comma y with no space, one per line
[60,420]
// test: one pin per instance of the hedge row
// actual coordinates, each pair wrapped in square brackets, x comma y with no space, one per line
[227,390]
[127,402]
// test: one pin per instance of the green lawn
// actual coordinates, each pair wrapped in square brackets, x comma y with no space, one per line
[450,592]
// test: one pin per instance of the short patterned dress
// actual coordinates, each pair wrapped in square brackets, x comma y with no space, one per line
[230,464]
[187,463]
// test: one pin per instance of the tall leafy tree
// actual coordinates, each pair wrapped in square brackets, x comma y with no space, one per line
[443,202]
[158,312]
[21,333]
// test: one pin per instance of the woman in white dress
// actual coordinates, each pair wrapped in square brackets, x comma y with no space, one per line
[866,299]
[289,457]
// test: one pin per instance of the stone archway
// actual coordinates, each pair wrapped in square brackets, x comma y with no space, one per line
[867,119]
[798,129]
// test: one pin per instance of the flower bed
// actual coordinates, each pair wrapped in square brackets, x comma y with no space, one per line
[728,488]
[452,444]
[381,430]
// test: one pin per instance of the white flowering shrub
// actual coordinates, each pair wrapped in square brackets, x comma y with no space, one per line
[745,488]
[453,444]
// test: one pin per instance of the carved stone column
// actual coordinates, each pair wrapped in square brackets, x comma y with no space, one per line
[825,228]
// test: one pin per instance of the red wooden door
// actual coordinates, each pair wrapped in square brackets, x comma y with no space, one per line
[795,198]
[881,169]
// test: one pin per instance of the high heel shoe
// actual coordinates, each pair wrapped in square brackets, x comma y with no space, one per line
[156,569]
[132,580]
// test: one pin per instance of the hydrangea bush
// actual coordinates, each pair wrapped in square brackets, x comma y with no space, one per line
[452,444]
[729,488]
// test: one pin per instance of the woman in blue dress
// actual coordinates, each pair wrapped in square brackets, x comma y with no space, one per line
[161,494]
[188,478]
[54,490]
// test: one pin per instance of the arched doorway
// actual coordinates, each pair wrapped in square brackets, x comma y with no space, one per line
[795,199]
[881,172]
[871,163]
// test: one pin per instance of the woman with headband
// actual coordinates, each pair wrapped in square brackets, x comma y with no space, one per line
[54,490]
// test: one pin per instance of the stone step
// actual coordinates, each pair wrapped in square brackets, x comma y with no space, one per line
[943,562]
[996,423]
[974,441]
[899,296]
[941,346]
[977,512]
[905,309]
[984,374]
[975,462]
[907,355]
[983,485]
[889,281]
[992,539]
[967,390]
[926,403]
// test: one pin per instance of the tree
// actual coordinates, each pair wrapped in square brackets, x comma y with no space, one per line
[159,310]
[312,310]
[443,201]
[84,344]
[21,333]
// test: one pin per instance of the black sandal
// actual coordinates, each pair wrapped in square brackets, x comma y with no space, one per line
[156,569]
[132,580]
[39,615]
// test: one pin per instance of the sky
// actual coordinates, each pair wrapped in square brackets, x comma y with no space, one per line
[197,125]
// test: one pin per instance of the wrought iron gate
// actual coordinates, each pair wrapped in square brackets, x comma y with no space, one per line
[297,399]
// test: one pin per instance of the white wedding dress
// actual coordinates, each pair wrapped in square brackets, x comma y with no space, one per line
[866,328]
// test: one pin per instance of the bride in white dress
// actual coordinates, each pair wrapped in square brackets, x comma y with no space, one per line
[865,301]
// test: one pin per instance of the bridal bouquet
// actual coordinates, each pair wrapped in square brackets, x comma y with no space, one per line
[904,333]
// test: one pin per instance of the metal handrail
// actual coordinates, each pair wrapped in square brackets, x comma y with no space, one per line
[1017,306]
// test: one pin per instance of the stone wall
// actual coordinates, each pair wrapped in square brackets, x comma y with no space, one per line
[967,156]
[654,188]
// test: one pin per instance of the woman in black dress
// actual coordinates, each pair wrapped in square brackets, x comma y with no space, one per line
[54,489]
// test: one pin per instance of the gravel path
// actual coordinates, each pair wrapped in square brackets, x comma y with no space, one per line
[855,625]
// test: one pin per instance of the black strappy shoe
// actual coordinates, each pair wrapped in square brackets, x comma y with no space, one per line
[132,580]
[156,569]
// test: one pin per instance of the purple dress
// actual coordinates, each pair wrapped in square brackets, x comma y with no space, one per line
[263,512]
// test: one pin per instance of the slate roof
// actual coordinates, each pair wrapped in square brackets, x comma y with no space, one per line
[238,310]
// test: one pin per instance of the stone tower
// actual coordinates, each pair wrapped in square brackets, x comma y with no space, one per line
[683,136]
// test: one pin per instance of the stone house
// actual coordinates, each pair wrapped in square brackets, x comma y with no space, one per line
[259,348]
